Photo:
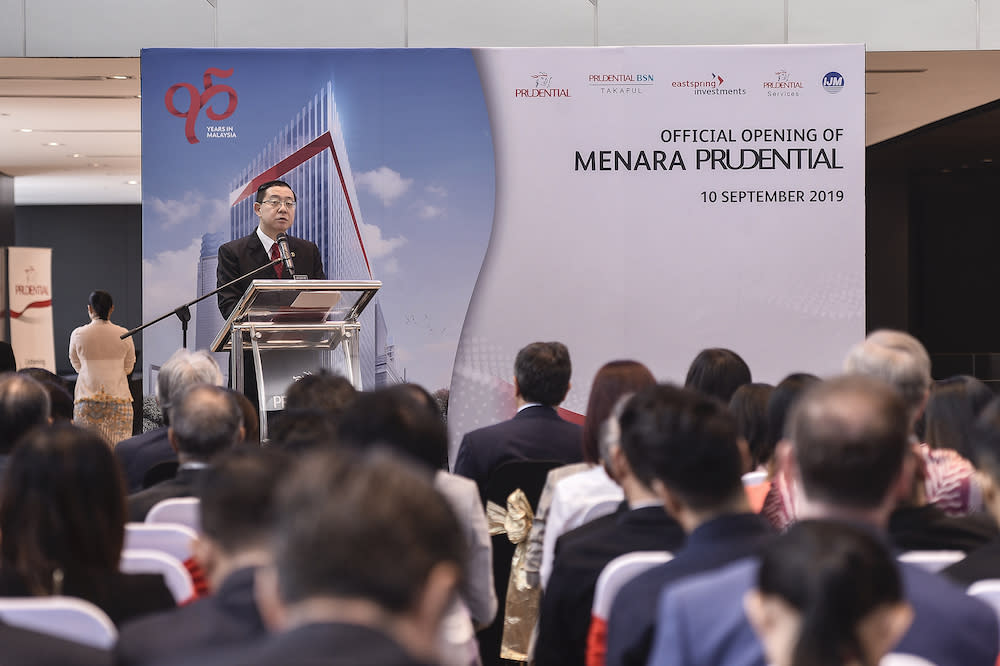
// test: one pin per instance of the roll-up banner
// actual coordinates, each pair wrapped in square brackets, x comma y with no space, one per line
[636,202]
[29,299]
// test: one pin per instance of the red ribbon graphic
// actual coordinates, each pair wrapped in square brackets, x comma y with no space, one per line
[33,304]
[199,102]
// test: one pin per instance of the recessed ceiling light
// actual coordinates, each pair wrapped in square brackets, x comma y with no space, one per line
[987,160]
[119,77]
[53,143]
[76,155]
[139,96]
[131,182]
[95,164]
[24,129]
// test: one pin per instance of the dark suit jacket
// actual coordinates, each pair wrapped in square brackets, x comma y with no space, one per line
[182,485]
[242,255]
[28,648]
[929,528]
[535,433]
[138,454]
[711,545]
[701,621]
[229,618]
[122,596]
[311,645]
[566,605]
[981,564]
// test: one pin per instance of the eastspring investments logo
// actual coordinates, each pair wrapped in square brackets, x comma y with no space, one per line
[709,87]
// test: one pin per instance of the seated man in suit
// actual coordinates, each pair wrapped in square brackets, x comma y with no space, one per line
[141,453]
[354,581]
[206,421]
[848,453]
[697,476]
[645,445]
[541,381]
[237,512]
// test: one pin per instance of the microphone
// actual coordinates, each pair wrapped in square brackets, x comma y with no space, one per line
[286,255]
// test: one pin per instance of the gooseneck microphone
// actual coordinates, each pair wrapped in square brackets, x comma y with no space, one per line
[286,254]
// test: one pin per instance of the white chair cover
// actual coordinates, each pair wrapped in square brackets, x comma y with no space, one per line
[174,540]
[177,511]
[175,575]
[932,560]
[619,571]
[68,618]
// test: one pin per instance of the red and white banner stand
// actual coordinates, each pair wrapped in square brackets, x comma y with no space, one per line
[29,298]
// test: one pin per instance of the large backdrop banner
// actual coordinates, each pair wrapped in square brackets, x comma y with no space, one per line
[638,202]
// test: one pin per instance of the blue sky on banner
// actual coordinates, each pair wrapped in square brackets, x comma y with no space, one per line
[418,141]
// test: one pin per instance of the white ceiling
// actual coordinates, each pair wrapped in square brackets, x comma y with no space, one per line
[95,119]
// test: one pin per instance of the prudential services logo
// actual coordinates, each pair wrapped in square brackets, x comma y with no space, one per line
[782,85]
[541,86]
[204,100]
[833,82]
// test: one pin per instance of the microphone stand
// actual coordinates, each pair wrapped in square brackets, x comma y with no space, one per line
[184,313]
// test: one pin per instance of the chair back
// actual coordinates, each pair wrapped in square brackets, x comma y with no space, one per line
[175,575]
[601,507]
[619,571]
[897,659]
[68,618]
[754,478]
[174,540]
[177,511]
[932,560]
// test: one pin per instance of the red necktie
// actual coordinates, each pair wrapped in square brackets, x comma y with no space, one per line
[279,268]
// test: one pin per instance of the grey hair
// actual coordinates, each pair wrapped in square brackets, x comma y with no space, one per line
[183,370]
[610,433]
[896,358]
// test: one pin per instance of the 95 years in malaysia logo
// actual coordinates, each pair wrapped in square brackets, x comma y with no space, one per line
[213,93]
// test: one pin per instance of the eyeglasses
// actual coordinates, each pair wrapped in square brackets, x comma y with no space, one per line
[277,203]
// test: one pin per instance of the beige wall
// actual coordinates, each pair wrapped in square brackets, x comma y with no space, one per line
[122,27]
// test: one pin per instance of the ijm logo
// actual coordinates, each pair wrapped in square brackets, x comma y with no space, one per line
[833,82]
[201,101]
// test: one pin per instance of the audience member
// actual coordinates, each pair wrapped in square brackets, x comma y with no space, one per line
[181,371]
[62,517]
[60,392]
[541,381]
[984,562]
[749,406]
[697,475]
[952,409]
[570,491]
[777,506]
[205,421]
[717,373]
[237,519]
[321,390]
[899,359]
[405,418]
[24,404]
[298,431]
[827,593]
[352,582]
[848,453]
[251,421]
[656,425]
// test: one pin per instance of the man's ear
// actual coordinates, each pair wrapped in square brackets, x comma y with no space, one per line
[671,503]
[172,438]
[265,591]
[205,553]
[517,388]
[436,596]
[745,456]
[785,463]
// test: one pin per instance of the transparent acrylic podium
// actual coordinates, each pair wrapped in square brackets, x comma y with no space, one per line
[287,325]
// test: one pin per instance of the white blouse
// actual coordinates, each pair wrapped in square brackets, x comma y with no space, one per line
[102,359]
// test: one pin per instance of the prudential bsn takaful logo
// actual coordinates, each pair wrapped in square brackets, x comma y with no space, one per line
[833,82]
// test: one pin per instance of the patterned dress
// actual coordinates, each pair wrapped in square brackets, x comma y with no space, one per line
[102,400]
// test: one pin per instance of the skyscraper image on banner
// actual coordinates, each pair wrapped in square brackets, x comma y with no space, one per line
[310,155]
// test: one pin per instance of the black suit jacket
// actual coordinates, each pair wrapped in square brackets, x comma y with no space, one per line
[711,545]
[981,564]
[929,528]
[319,644]
[242,255]
[564,619]
[228,618]
[139,454]
[535,433]
[182,485]
[28,648]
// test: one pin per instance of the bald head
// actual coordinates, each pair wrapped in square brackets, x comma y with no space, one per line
[24,404]
[850,436]
[206,421]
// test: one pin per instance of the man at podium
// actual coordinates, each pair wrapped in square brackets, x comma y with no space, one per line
[275,206]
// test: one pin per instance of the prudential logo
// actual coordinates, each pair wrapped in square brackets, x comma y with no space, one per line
[833,82]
